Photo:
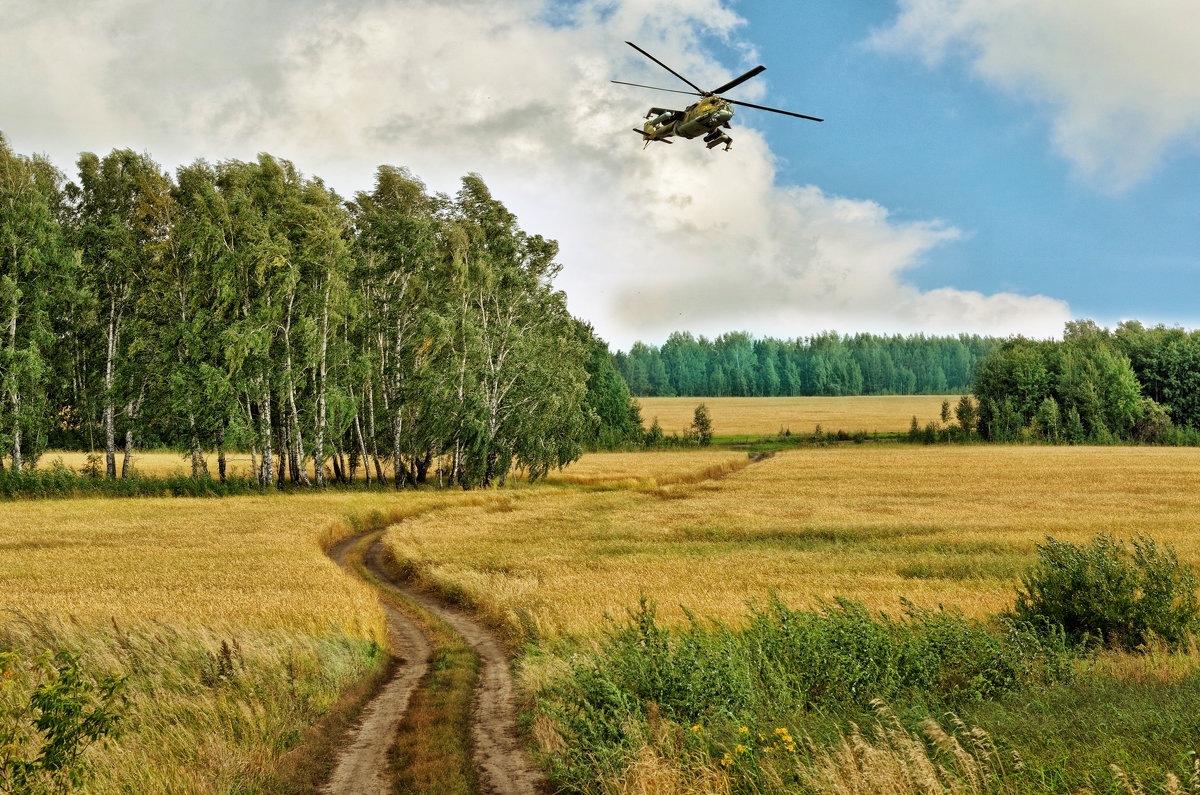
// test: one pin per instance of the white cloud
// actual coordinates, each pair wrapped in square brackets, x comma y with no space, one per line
[1119,76]
[673,237]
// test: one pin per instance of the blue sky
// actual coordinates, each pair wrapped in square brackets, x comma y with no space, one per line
[938,141]
[990,167]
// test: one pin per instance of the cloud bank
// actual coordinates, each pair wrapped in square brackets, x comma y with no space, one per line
[1119,77]
[674,237]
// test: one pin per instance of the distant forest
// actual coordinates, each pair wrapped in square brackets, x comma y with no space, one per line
[740,365]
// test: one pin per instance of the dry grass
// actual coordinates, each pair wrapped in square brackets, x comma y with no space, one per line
[938,525]
[650,468]
[767,416]
[165,463]
[234,564]
[235,630]
[885,757]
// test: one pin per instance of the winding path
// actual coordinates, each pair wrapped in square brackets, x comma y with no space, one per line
[502,766]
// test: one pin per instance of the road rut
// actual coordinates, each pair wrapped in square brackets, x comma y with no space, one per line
[502,766]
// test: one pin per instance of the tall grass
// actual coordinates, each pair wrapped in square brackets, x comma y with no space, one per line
[738,691]
[207,711]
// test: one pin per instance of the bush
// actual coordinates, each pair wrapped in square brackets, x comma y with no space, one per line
[702,426]
[1104,593]
[50,713]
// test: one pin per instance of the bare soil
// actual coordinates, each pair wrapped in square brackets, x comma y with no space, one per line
[502,766]
[362,766]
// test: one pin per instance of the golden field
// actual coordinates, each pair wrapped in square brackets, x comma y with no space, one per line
[951,525]
[742,416]
[165,463]
[649,468]
[155,587]
[158,589]
[233,628]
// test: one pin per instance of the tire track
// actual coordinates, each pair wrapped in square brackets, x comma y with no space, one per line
[362,766]
[501,764]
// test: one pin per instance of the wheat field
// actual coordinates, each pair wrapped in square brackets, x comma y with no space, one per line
[742,416]
[936,525]
[158,587]
[649,468]
[234,630]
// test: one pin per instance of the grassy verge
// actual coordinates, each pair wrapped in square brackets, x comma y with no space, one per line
[791,703]
[310,763]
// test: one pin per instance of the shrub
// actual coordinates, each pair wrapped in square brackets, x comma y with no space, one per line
[654,435]
[1103,592]
[702,426]
[50,713]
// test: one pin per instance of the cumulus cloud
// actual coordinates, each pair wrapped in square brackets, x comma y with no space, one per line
[1119,77]
[674,237]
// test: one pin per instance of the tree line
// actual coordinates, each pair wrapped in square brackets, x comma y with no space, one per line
[1094,386]
[243,305]
[740,365]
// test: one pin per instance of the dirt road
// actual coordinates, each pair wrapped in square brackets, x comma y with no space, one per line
[502,766]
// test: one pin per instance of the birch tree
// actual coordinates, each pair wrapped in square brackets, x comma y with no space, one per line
[121,216]
[33,270]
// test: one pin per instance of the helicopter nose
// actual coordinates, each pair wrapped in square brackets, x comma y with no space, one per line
[722,116]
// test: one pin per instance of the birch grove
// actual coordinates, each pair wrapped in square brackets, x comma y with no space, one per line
[396,337]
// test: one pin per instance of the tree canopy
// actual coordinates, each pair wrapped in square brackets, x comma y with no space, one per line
[244,305]
[1088,388]
[739,365]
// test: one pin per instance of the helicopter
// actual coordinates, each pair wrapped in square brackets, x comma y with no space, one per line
[708,117]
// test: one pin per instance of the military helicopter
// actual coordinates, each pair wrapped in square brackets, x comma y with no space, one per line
[708,117]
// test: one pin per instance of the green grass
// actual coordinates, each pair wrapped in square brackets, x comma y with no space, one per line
[1070,733]
[811,672]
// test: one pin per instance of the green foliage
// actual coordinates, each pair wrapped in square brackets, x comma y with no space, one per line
[1083,389]
[785,663]
[736,364]
[654,434]
[702,426]
[1105,593]
[617,418]
[967,414]
[51,711]
[246,304]
[1047,421]
[59,481]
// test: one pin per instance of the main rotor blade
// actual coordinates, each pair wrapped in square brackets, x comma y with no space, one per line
[699,90]
[773,110]
[656,88]
[737,81]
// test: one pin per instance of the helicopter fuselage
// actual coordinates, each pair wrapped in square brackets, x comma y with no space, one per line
[703,118]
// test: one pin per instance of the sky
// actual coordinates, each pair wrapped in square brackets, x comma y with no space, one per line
[985,166]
